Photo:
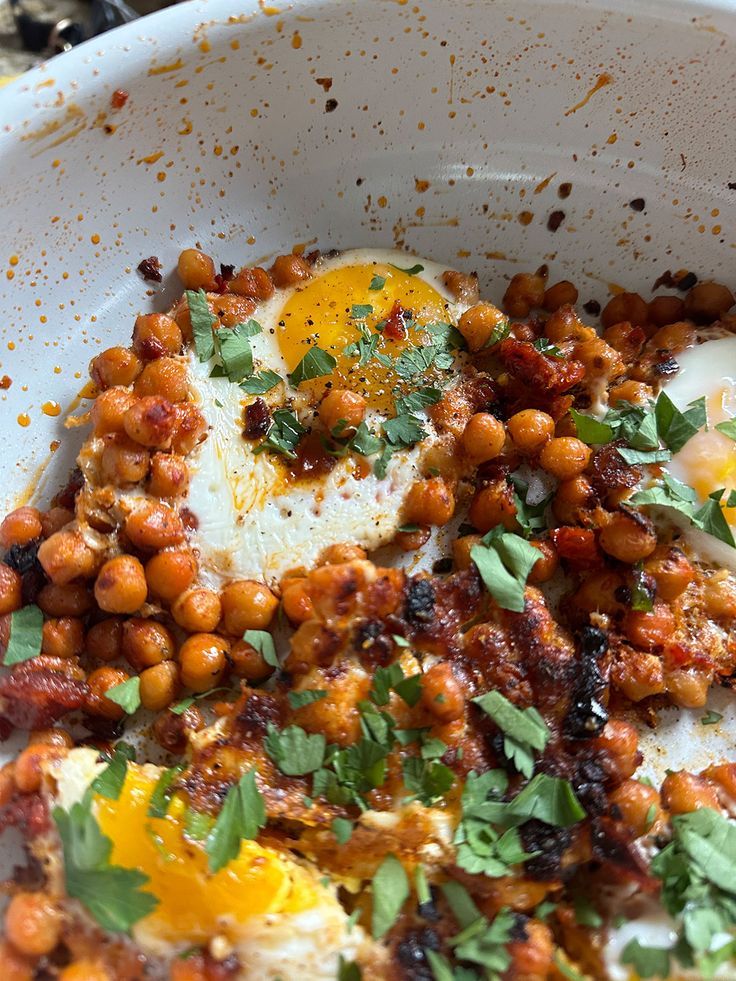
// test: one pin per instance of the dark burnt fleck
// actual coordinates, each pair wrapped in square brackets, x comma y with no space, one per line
[326,83]
[23,558]
[150,269]
[666,279]
[410,953]
[258,711]
[592,307]
[330,105]
[518,930]
[564,190]
[104,728]
[367,632]
[555,219]
[587,716]
[687,282]
[68,494]
[428,911]
[441,566]
[189,519]
[622,594]
[551,843]
[226,272]
[419,606]
[638,204]
[588,782]
[667,368]
[257,418]
[731,185]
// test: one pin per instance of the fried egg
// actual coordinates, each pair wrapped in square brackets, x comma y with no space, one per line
[707,462]
[254,519]
[280,917]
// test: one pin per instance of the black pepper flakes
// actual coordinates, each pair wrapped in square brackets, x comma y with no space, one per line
[330,105]
[592,307]
[564,190]
[687,282]
[555,220]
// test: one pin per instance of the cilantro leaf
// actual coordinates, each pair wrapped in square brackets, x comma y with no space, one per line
[728,428]
[545,346]
[314,364]
[110,781]
[427,780]
[642,596]
[531,517]
[711,718]
[26,626]
[504,561]
[359,311]
[404,430]
[364,442]
[262,641]
[261,382]
[711,520]
[392,677]
[294,751]
[415,360]
[591,430]
[416,401]
[242,816]
[284,434]
[298,699]
[110,893]
[633,456]
[648,962]
[524,730]
[181,707]
[445,337]
[342,829]
[202,322]
[127,694]
[411,271]
[365,347]
[377,283]
[390,892]
[158,804]
[675,428]
[235,350]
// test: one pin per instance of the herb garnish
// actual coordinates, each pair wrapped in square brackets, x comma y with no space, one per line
[127,694]
[390,892]
[298,699]
[261,382]
[202,321]
[504,561]
[314,364]
[242,816]
[26,631]
[284,434]
[110,781]
[524,730]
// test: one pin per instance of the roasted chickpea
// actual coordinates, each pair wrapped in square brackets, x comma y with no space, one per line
[598,592]
[524,293]
[232,309]
[15,966]
[637,804]
[461,549]
[650,629]
[11,590]
[463,286]
[636,392]
[671,570]
[54,520]
[66,556]
[116,366]
[619,744]
[63,637]
[342,411]
[7,787]
[287,270]
[153,527]
[665,310]
[159,685]
[296,602]
[85,970]
[430,502]
[248,663]
[683,792]
[189,429]
[483,437]
[561,294]
[166,377]
[196,270]
[108,410]
[202,661]
[629,536]
[123,462]
[146,643]
[254,282]
[688,687]
[707,302]
[50,737]
[672,338]
[151,421]
[121,585]
[72,600]
[169,573]
[20,527]
[478,324]
[341,552]
[719,595]
[546,565]
[197,610]
[100,681]
[531,958]
[247,605]
[104,640]
[169,475]
[442,692]
[493,505]
[155,335]
[410,541]
[29,765]
[572,499]
[638,674]
[625,306]
[600,359]
[172,731]
[530,430]
[565,457]
[32,923]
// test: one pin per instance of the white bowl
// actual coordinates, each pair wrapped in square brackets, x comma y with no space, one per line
[451,124]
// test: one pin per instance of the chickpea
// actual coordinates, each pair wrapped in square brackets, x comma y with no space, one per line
[638,393]
[202,661]
[155,335]
[637,804]
[104,640]
[564,325]
[121,585]
[196,270]
[597,593]
[153,527]
[54,520]
[123,462]
[724,776]
[288,270]
[84,970]
[341,552]
[7,787]
[565,457]
[32,923]
[172,731]
[248,663]
[247,605]
[189,429]
[531,958]
[108,410]
[650,630]
[11,590]
[50,737]
[665,310]
[100,681]
[707,302]
[625,339]
[159,685]
[599,358]
[116,366]
[561,294]
[546,565]
[688,687]
[169,475]
[232,309]
[15,966]
[529,430]
[479,324]
[461,549]
[442,693]
[145,643]
[572,499]
[671,570]
[20,527]
[344,409]
[296,602]
[625,306]
[66,556]
[619,744]
[638,674]
[63,637]
[683,792]
[151,421]
[197,610]
[463,286]
[254,282]
[524,293]
[169,573]
[430,502]
[719,595]
[672,338]
[628,537]
[166,377]
[410,541]
[29,765]
[72,600]
[484,437]
[493,505]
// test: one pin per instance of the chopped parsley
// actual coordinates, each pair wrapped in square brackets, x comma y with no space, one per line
[728,428]
[504,561]
[411,271]
[314,364]
[26,631]
[390,892]
[298,699]
[674,494]
[377,283]
[545,346]
[295,751]
[261,382]
[110,781]
[393,678]
[711,718]
[642,595]
[234,348]
[262,641]
[342,829]
[284,434]
[202,322]
[404,430]
[427,780]
[127,694]
[242,816]
[416,401]
[158,805]
[359,311]
[525,731]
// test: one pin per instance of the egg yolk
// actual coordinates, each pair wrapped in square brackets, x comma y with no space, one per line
[322,313]
[195,904]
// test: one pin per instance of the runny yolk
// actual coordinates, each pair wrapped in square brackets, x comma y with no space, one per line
[321,313]
[195,904]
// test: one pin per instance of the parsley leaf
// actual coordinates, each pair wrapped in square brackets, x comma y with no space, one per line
[711,520]
[242,816]
[314,364]
[445,337]
[262,641]
[427,780]
[365,347]
[390,892]
[642,595]
[261,382]
[127,694]
[675,428]
[524,730]
[284,434]
[298,699]
[359,311]
[377,283]
[711,718]
[348,970]
[416,401]
[545,346]
[342,829]
[411,271]
[294,751]
[504,561]
[728,428]
[158,804]
[648,962]
[110,893]
[235,350]
[202,321]
[404,430]
[181,707]
[392,677]
[110,781]
[364,442]
[590,430]
[531,517]
[415,360]
[26,627]
[633,456]
[479,941]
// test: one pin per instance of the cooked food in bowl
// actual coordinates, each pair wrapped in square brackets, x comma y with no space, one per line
[392,577]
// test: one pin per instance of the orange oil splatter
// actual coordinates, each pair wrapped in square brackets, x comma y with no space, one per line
[603,80]
[164,69]
[543,184]
[296,41]
[51,409]
[151,158]
[95,239]
[24,419]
